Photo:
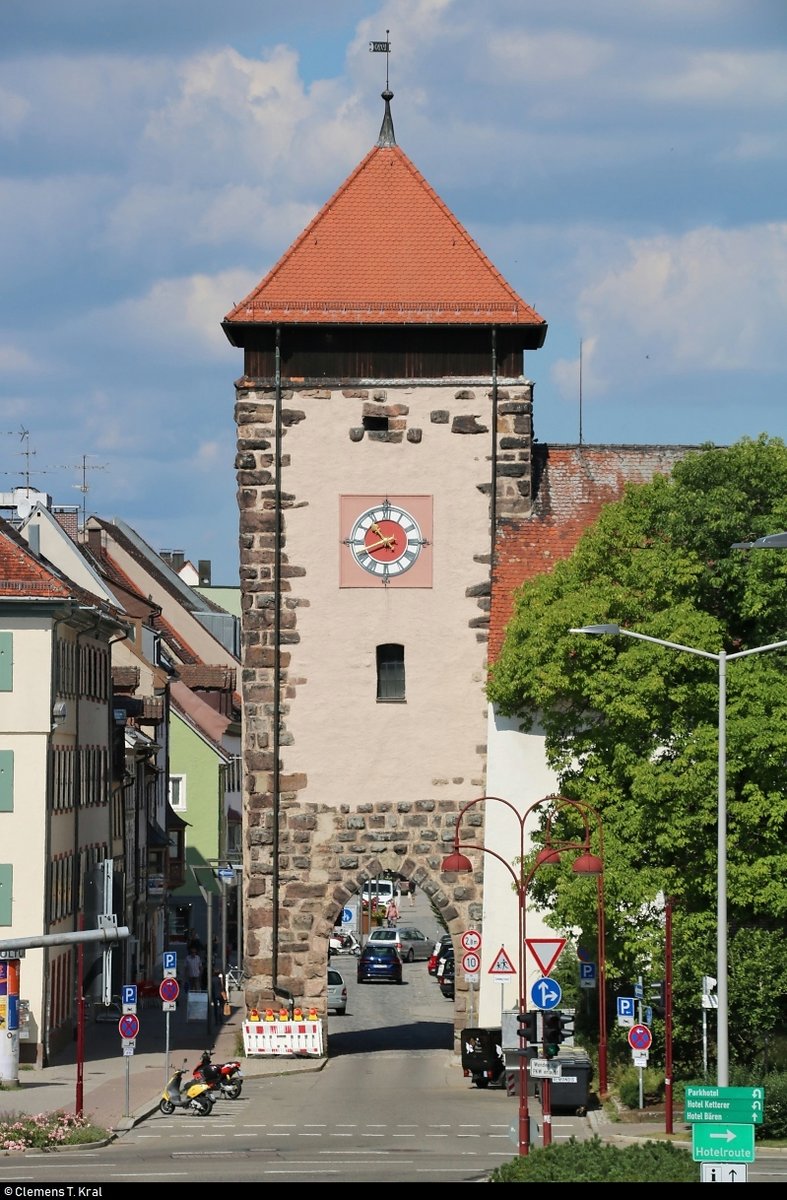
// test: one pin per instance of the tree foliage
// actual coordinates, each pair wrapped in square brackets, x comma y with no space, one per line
[632,728]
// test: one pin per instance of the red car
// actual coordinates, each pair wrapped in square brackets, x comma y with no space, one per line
[441,947]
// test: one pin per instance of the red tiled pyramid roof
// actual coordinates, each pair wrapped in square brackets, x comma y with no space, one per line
[385,250]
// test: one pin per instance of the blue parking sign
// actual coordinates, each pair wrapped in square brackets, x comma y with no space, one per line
[626,1006]
[587,972]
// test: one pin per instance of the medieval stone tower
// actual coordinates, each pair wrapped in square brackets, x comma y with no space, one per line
[383,436]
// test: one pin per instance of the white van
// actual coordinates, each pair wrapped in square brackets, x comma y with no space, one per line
[380,891]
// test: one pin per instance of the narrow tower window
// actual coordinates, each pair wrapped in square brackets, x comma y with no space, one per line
[390,672]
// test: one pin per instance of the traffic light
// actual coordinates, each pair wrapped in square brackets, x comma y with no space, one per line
[658,998]
[566,1026]
[553,1033]
[527,1026]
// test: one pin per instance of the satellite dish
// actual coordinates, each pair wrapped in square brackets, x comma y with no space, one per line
[24,508]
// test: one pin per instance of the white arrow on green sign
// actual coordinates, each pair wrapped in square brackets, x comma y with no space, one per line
[724,1104]
[722,1143]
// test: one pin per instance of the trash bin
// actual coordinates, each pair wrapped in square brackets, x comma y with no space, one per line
[571,1089]
[482,1055]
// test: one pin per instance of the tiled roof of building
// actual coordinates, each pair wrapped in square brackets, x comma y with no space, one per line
[571,486]
[26,576]
[385,250]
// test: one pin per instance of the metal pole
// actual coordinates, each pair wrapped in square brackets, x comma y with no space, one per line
[668,1114]
[602,984]
[128,1086]
[722,1042]
[79,1106]
[166,1050]
[209,960]
[639,1018]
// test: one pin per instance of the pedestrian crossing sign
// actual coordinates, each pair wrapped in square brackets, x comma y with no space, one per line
[502,964]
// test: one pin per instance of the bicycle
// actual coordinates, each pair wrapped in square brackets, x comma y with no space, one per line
[235,978]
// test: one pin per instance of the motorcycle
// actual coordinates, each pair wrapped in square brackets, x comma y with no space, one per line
[223,1079]
[194,1095]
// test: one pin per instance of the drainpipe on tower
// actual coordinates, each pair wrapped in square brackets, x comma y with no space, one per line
[493,497]
[276,658]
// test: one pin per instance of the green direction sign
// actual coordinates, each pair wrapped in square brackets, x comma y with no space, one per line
[722,1143]
[706,1104]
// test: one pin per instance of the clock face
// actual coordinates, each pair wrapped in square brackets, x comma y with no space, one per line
[386,541]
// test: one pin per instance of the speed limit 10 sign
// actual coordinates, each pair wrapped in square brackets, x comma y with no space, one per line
[470,962]
[471,940]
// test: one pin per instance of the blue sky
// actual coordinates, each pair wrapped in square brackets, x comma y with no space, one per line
[622,164]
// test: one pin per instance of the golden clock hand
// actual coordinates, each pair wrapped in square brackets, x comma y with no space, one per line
[385,541]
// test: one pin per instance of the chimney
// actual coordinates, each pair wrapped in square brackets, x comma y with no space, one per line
[203,570]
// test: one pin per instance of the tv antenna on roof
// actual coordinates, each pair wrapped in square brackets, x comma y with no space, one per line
[382,48]
[84,486]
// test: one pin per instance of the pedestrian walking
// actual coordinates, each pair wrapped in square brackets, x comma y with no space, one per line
[218,996]
[392,913]
[412,893]
[193,970]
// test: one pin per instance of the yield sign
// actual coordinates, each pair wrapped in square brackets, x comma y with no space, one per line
[502,964]
[546,951]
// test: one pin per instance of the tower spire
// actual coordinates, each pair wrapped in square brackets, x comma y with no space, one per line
[387,136]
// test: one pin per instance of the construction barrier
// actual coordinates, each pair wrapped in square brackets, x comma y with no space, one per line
[283,1039]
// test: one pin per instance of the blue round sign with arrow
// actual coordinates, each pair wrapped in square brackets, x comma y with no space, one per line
[545,993]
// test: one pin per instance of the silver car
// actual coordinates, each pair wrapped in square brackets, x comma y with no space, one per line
[337,992]
[411,943]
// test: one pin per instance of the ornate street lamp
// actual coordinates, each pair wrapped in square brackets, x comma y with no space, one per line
[459,864]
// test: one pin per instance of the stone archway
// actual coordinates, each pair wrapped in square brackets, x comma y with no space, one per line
[325,855]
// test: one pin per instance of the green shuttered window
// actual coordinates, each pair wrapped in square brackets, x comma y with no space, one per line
[6,662]
[6,893]
[6,781]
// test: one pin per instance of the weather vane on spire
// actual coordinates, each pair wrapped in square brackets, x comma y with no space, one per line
[382,48]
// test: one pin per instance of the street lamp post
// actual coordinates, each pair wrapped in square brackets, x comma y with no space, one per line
[458,863]
[722,658]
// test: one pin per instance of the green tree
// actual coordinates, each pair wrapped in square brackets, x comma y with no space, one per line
[632,728]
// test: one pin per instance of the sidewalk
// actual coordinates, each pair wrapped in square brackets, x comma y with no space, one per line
[118,1091]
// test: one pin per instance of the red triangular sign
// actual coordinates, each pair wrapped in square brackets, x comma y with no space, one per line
[502,964]
[546,951]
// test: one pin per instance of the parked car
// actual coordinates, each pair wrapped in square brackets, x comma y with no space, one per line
[434,958]
[411,943]
[379,962]
[337,992]
[444,962]
[447,977]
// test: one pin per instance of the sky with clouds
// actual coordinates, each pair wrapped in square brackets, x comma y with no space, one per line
[622,165]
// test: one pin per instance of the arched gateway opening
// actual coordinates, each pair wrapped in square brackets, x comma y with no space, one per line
[324,859]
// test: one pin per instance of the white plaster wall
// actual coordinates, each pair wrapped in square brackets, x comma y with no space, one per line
[429,746]
[25,716]
[517,772]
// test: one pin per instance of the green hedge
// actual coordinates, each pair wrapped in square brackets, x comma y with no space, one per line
[595,1162]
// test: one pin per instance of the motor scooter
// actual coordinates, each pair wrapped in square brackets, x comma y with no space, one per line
[194,1095]
[223,1079]
[343,943]
[482,1057]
